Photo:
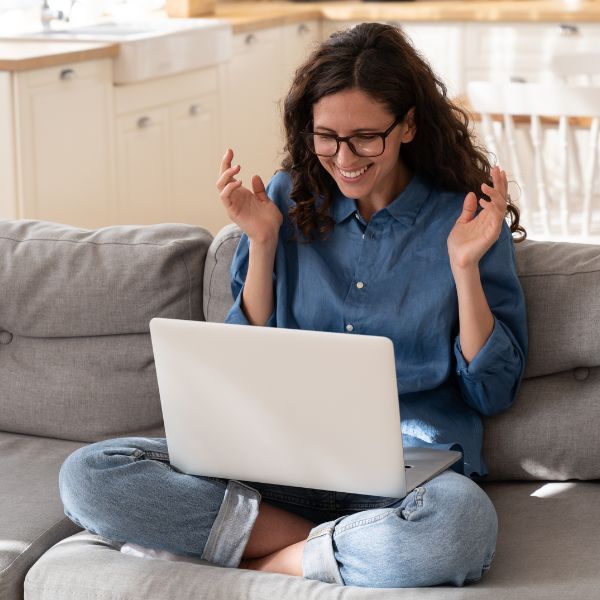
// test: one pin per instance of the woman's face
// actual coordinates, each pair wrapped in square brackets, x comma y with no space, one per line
[379,179]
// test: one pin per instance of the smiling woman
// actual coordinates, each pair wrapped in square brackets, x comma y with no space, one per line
[384,220]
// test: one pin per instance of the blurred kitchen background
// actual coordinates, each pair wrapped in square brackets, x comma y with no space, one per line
[118,111]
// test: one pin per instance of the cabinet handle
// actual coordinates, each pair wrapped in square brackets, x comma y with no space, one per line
[250,39]
[568,30]
[143,122]
[67,74]
[195,109]
[303,28]
[517,79]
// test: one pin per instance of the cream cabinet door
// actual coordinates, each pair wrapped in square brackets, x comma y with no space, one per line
[195,158]
[299,39]
[441,44]
[252,93]
[64,143]
[168,150]
[142,159]
[9,206]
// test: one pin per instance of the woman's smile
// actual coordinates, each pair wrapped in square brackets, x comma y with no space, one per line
[352,175]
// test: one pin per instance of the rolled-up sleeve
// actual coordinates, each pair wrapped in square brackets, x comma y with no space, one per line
[489,383]
[239,270]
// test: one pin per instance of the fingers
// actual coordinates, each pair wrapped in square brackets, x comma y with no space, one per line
[469,208]
[226,160]
[227,176]
[498,191]
[228,190]
[258,187]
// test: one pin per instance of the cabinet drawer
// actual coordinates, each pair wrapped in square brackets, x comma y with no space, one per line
[68,74]
[518,45]
[247,42]
[165,90]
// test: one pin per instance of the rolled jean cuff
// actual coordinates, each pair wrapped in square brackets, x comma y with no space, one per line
[232,527]
[318,559]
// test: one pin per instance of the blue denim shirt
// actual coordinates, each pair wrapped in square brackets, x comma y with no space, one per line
[391,277]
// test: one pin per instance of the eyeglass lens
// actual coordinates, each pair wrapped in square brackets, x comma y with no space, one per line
[362,145]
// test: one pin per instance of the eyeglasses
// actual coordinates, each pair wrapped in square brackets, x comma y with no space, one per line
[362,144]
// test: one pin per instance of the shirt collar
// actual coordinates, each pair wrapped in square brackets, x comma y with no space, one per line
[403,208]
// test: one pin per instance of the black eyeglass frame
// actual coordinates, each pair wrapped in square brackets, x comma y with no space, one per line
[339,139]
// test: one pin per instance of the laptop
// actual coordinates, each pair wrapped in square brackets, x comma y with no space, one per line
[285,406]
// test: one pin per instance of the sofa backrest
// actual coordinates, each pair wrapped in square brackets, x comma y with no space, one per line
[75,355]
[553,429]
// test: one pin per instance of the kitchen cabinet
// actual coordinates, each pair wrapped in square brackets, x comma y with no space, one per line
[9,208]
[299,39]
[522,51]
[441,44]
[462,52]
[251,98]
[255,83]
[168,150]
[63,145]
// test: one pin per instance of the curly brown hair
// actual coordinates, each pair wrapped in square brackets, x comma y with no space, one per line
[379,60]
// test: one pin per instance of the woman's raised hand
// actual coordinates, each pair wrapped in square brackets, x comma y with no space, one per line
[474,234]
[252,211]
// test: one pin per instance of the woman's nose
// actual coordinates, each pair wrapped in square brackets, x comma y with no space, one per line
[345,156]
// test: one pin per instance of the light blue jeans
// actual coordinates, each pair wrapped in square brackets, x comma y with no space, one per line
[443,532]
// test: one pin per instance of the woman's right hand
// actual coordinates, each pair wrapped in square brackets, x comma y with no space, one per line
[252,211]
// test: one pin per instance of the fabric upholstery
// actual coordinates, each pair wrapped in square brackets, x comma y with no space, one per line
[217,278]
[75,355]
[551,432]
[31,513]
[562,288]
[543,552]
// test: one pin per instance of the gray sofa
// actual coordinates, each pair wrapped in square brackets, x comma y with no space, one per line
[76,366]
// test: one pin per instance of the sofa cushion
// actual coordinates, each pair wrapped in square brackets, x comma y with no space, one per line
[551,432]
[546,549]
[561,282]
[31,513]
[75,355]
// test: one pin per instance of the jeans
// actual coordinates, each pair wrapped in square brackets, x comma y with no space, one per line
[443,532]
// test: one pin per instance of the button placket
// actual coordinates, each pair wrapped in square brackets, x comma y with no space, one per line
[357,295]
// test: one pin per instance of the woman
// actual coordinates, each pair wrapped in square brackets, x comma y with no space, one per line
[371,227]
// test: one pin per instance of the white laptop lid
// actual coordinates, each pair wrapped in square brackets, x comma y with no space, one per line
[284,406]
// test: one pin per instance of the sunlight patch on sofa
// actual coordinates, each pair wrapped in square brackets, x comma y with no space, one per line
[12,546]
[549,490]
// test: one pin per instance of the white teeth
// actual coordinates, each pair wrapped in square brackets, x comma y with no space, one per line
[353,174]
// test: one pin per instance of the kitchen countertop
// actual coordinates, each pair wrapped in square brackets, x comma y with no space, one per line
[17,55]
[246,16]
[21,55]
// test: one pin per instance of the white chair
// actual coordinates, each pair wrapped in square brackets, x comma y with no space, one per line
[527,127]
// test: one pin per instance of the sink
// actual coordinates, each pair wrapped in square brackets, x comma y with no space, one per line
[152,48]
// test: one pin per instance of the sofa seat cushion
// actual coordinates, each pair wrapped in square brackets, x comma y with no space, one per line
[31,513]
[548,547]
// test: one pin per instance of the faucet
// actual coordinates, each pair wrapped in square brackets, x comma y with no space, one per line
[47,14]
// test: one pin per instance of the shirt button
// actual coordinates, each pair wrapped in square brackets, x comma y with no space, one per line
[349,327]
[363,236]
[360,285]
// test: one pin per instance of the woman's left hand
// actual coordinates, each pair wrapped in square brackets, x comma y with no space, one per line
[474,234]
